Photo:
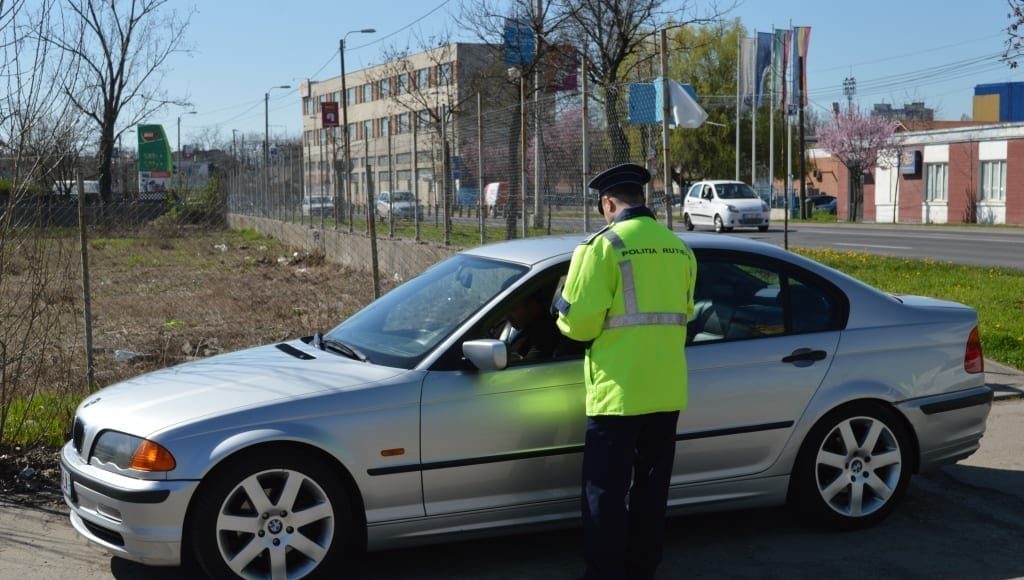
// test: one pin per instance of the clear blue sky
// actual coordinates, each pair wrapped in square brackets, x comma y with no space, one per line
[897,50]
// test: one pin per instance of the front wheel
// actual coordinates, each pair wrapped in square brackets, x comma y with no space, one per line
[687,222]
[272,514]
[853,467]
[719,226]
[762,228]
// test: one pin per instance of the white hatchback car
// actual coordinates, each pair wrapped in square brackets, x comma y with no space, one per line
[725,205]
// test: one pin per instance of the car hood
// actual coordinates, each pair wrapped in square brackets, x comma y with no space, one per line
[744,204]
[225,383]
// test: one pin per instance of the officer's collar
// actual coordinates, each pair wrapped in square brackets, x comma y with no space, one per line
[633,212]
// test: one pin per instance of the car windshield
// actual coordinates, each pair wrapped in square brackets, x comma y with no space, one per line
[401,196]
[318,200]
[402,326]
[735,191]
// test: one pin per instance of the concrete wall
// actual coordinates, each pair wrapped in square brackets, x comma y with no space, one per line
[397,259]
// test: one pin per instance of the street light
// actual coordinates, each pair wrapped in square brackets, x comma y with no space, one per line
[344,119]
[266,123]
[177,161]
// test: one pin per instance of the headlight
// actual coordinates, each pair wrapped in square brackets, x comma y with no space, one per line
[731,207]
[764,206]
[130,452]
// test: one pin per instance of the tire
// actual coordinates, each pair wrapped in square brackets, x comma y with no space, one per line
[719,226]
[842,479]
[308,532]
[762,228]
[687,222]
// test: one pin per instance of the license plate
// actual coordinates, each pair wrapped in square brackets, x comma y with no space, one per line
[751,216]
[66,484]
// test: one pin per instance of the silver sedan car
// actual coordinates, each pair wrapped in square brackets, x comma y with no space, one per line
[414,420]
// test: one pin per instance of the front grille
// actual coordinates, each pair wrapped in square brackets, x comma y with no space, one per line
[751,221]
[78,434]
[108,536]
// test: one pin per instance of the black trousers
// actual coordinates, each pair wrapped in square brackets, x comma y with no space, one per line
[627,465]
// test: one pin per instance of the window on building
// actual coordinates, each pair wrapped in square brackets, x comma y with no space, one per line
[367,129]
[423,118]
[422,79]
[403,158]
[307,105]
[993,180]
[350,95]
[337,97]
[384,88]
[403,84]
[351,131]
[323,136]
[936,181]
[384,125]
[382,160]
[403,123]
[383,178]
[423,157]
[320,101]
[367,93]
[444,73]
[403,177]
[309,136]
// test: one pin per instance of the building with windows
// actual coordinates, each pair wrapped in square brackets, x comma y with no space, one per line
[915,111]
[967,174]
[397,113]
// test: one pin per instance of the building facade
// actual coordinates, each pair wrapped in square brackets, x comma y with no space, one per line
[971,174]
[397,113]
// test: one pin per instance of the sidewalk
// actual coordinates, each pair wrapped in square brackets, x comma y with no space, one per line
[1007,382]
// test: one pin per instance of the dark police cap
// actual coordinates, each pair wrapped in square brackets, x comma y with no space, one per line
[624,178]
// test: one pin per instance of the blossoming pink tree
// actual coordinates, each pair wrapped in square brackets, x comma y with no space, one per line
[857,140]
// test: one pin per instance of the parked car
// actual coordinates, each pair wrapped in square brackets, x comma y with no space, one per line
[496,195]
[401,203]
[318,205]
[409,421]
[725,205]
[825,203]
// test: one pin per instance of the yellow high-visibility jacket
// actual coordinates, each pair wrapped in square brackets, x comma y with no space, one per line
[630,291]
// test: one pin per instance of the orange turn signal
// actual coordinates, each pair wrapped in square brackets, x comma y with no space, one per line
[152,456]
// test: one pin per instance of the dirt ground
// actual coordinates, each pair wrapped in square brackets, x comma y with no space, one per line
[159,300]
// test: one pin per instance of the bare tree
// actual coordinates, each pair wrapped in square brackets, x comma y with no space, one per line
[122,47]
[1014,43]
[38,136]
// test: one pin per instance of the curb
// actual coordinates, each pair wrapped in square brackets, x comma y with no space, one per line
[1007,383]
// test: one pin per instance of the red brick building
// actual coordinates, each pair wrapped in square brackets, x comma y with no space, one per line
[950,172]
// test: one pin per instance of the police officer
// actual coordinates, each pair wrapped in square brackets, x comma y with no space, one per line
[629,290]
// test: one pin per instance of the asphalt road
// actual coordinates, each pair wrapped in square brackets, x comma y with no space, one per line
[971,245]
[964,521]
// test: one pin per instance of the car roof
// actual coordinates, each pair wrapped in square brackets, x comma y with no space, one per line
[719,181]
[532,251]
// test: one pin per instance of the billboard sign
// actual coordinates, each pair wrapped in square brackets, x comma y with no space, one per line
[329,114]
[155,161]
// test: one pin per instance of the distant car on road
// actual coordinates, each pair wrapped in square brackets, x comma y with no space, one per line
[400,203]
[725,205]
[318,205]
[823,202]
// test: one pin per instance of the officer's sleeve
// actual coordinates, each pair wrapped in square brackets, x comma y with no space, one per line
[693,284]
[588,292]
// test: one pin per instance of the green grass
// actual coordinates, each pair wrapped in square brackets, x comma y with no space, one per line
[996,293]
[43,420]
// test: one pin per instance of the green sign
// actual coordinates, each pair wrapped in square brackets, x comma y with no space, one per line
[154,151]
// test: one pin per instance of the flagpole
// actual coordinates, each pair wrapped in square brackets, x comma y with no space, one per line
[771,124]
[753,120]
[789,150]
[739,59]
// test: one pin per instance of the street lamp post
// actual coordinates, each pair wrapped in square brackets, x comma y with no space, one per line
[344,120]
[266,140]
[177,161]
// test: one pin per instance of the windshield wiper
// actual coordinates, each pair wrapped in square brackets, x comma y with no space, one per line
[341,348]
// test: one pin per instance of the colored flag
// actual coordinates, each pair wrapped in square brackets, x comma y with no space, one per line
[748,55]
[801,42]
[684,112]
[780,58]
[764,58]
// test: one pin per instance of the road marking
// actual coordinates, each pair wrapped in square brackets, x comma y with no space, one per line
[874,246]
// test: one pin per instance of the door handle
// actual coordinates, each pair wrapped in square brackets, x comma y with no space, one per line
[805,354]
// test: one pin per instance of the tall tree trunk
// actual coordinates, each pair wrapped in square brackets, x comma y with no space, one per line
[616,135]
[106,154]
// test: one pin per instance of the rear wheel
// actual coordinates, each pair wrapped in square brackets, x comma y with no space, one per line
[272,514]
[687,222]
[853,467]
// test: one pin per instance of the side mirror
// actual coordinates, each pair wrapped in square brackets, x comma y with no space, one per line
[486,354]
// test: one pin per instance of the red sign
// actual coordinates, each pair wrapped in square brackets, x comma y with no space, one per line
[329,114]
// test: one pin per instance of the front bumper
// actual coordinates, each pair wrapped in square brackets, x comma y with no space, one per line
[748,219]
[949,426]
[135,519]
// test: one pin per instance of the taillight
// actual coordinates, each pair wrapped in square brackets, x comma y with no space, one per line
[974,360]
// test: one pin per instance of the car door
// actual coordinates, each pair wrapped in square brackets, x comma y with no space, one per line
[495,439]
[761,340]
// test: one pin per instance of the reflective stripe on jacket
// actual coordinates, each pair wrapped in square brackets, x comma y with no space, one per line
[630,290]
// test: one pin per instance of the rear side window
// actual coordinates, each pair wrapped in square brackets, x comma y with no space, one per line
[743,296]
